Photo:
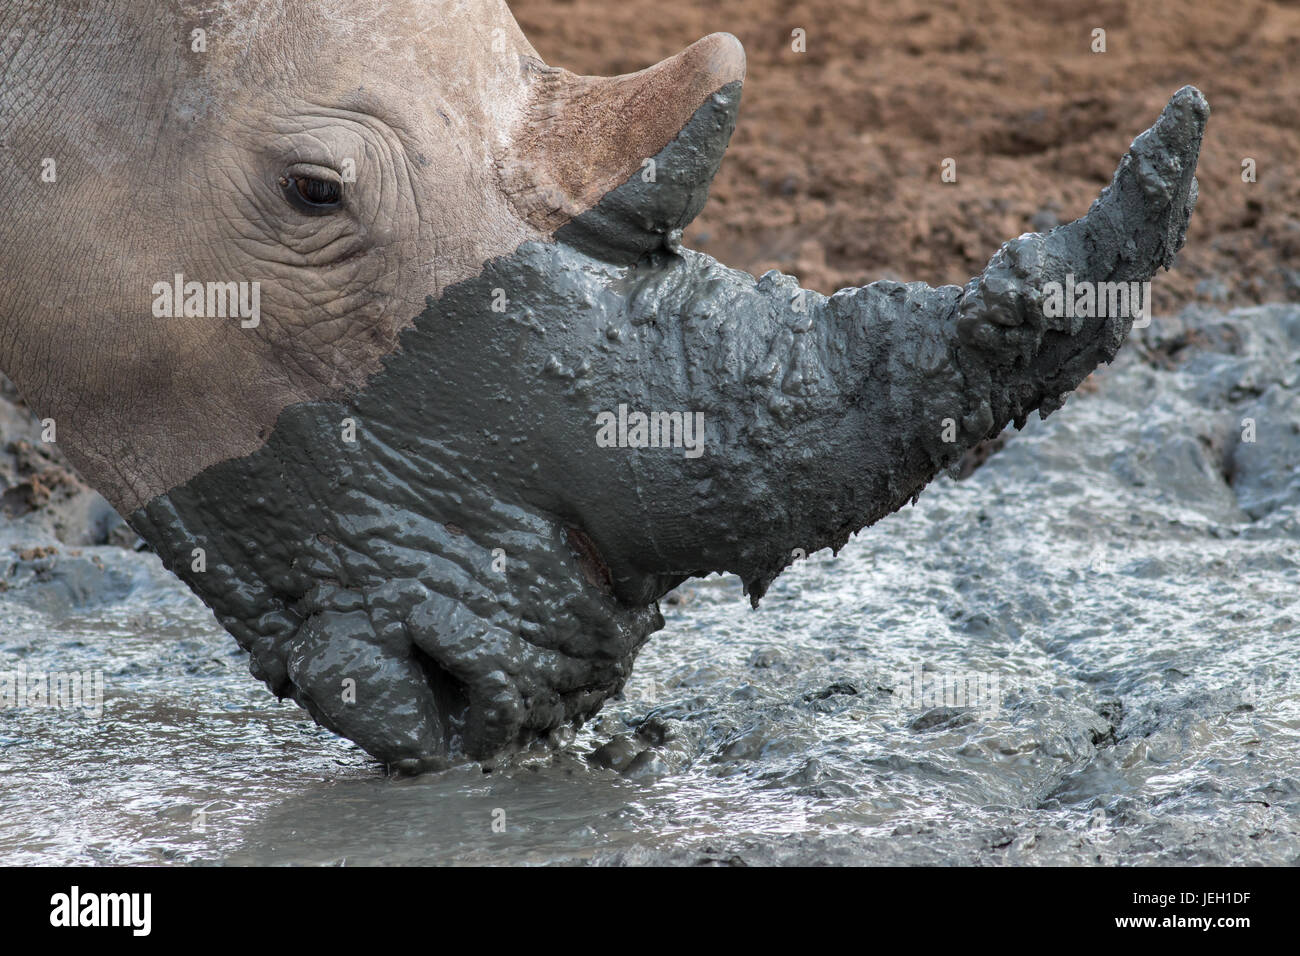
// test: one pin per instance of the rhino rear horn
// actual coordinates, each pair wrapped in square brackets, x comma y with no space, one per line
[619,166]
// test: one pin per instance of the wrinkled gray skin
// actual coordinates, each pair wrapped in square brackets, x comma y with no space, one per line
[374,562]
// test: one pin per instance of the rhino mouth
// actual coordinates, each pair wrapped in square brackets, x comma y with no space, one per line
[422,613]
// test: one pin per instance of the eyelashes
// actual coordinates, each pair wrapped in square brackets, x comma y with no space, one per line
[315,190]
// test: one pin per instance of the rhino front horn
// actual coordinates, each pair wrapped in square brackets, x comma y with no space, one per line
[1135,227]
[618,166]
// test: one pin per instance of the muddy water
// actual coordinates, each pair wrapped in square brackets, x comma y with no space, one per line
[1116,594]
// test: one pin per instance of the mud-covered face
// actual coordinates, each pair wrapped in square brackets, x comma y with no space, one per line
[444,561]
[364,460]
[403,370]
[343,459]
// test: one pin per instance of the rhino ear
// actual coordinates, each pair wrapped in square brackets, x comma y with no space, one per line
[618,166]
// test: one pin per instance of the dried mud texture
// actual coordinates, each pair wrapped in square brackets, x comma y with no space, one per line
[833,174]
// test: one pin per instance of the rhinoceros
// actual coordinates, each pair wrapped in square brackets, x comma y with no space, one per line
[380,332]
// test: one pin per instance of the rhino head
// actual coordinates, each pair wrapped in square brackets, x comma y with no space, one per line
[476,410]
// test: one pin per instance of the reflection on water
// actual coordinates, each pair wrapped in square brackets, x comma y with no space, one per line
[1087,652]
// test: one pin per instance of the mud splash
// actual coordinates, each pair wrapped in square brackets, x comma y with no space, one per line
[1124,575]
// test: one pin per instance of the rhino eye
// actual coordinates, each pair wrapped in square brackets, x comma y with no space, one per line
[314,191]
